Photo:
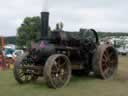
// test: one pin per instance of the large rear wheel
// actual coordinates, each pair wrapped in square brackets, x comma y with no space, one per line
[57,71]
[105,61]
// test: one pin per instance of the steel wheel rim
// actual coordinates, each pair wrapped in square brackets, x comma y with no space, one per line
[22,73]
[59,71]
[108,64]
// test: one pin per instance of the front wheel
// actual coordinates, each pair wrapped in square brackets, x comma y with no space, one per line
[57,71]
[21,74]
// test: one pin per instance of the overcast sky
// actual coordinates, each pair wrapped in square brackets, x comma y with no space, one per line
[102,15]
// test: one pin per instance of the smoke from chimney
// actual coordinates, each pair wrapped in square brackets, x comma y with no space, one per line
[45,6]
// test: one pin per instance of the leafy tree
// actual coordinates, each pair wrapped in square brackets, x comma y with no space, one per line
[28,31]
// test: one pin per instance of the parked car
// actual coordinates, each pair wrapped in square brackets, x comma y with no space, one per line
[122,50]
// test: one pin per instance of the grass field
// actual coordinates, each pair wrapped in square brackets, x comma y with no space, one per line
[78,86]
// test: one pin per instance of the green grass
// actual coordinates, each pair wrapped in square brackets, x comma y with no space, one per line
[78,86]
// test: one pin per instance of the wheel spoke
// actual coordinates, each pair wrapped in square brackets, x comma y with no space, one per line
[105,57]
[58,61]
[56,66]
[106,72]
[21,74]
[111,55]
[63,64]
[107,52]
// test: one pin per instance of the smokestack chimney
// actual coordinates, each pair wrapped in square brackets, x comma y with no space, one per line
[44,20]
[44,24]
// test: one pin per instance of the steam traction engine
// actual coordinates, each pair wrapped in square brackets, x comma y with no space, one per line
[56,56]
